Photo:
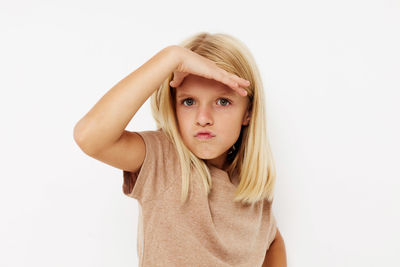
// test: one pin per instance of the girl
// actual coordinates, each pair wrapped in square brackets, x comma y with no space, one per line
[205,179]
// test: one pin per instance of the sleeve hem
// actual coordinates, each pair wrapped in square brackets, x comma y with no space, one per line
[130,188]
[273,231]
[134,184]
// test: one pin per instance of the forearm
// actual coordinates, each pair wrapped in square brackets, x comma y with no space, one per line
[105,122]
[276,254]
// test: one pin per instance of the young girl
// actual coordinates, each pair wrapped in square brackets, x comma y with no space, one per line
[205,178]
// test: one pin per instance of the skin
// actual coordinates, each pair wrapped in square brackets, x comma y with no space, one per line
[276,254]
[203,104]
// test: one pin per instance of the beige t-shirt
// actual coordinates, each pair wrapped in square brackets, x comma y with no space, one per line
[211,231]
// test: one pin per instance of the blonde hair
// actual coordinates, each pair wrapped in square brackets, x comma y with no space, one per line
[253,159]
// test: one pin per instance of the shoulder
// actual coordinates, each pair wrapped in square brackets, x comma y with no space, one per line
[155,136]
[157,170]
[158,141]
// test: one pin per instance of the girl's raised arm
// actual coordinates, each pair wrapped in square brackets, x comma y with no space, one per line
[101,132]
[104,124]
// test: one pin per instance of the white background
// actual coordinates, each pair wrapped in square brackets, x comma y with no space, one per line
[331,75]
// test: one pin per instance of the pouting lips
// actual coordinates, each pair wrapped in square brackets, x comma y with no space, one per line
[204,136]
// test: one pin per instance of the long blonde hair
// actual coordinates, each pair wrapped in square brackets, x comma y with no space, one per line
[253,159]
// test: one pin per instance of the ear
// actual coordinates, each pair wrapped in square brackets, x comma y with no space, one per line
[246,118]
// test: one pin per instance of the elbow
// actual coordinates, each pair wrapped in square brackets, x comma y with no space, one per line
[80,139]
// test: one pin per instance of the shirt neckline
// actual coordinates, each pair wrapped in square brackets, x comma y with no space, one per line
[224,174]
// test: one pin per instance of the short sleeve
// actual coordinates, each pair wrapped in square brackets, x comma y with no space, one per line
[152,179]
[272,230]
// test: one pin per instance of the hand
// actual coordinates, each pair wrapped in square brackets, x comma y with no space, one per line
[193,63]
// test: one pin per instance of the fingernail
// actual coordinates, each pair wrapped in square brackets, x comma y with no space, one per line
[244,92]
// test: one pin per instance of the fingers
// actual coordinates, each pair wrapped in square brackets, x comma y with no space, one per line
[235,82]
[232,80]
[241,85]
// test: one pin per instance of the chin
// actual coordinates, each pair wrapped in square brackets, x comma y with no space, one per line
[204,155]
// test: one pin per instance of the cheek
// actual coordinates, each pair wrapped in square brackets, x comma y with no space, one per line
[179,115]
[182,119]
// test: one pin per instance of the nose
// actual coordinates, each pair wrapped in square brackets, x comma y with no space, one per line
[204,116]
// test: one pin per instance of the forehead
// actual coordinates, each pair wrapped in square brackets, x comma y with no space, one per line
[197,85]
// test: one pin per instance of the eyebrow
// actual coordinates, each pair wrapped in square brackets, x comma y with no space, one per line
[231,94]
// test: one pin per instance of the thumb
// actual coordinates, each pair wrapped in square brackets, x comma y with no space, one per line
[178,78]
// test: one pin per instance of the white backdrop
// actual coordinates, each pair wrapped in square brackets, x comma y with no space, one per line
[331,75]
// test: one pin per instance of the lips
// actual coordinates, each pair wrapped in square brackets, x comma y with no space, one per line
[204,135]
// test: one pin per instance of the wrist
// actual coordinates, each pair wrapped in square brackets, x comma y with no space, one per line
[174,53]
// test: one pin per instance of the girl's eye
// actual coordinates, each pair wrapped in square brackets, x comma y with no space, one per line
[190,100]
[224,100]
